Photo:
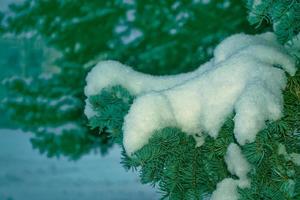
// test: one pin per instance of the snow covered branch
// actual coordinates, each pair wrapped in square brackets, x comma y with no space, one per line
[238,91]
[244,77]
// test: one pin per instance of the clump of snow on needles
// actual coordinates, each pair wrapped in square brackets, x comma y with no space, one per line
[293,46]
[226,190]
[111,73]
[294,157]
[237,165]
[246,76]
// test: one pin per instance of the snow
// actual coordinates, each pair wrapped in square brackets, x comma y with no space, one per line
[294,157]
[111,73]
[257,3]
[226,190]
[59,129]
[237,165]
[88,110]
[293,45]
[25,174]
[4,4]
[237,42]
[264,47]
[246,76]
[130,15]
[176,5]
[246,83]
[132,36]
[282,150]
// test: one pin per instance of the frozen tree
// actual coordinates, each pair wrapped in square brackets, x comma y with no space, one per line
[227,130]
[184,130]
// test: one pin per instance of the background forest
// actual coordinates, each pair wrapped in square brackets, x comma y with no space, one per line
[165,37]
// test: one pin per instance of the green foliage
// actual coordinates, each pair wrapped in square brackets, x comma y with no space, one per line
[284,16]
[1,19]
[158,37]
[170,160]
[181,171]
[17,54]
[53,113]
[113,104]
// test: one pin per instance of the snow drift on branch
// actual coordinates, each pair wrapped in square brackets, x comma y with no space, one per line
[237,165]
[246,76]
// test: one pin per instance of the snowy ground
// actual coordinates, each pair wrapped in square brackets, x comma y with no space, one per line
[27,175]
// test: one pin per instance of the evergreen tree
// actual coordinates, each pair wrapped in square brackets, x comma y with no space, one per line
[159,37]
[170,161]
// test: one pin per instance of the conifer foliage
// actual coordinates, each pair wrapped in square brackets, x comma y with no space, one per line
[54,113]
[284,16]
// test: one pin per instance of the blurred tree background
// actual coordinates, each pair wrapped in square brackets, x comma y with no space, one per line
[156,37]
